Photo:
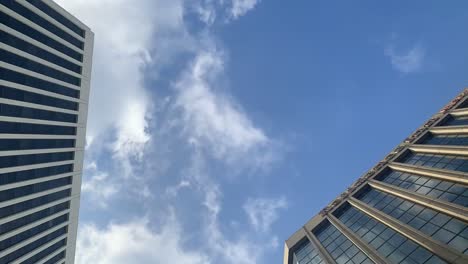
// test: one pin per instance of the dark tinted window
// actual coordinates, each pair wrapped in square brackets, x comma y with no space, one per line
[28,14]
[26,205]
[16,77]
[27,128]
[33,113]
[390,244]
[34,259]
[20,144]
[455,121]
[33,188]
[439,226]
[38,52]
[306,254]
[341,249]
[34,34]
[464,104]
[31,218]
[24,175]
[455,163]
[25,96]
[28,64]
[21,160]
[56,258]
[33,245]
[452,140]
[443,190]
[11,241]
[57,16]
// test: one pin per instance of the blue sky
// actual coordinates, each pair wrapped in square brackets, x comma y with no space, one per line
[217,128]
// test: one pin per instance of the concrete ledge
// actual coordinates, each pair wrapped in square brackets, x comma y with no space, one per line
[437,149]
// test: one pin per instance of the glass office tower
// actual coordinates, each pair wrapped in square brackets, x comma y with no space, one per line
[45,67]
[412,207]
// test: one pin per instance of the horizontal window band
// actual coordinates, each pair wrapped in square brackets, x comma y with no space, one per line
[31,203]
[24,79]
[39,4]
[11,241]
[22,252]
[29,159]
[14,227]
[45,252]
[37,67]
[36,51]
[39,36]
[35,98]
[34,113]
[37,129]
[24,144]
[40,21]
[56,256]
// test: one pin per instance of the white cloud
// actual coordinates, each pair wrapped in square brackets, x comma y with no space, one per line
[263,212]
[97,185]
[134,242]
[173,191]
[214,120]
[241,7]
[411,61]
[208,10]
[130,35]
[118,100]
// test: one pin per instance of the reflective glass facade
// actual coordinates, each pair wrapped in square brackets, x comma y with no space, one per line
[307,254]
[45,56]
[411,207]
[448,162]
[455,121]
[390,244]
[340,248]
[437,225]
[443,190]
[452,140]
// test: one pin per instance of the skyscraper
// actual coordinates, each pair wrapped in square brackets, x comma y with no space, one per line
[410,208]
[45,67]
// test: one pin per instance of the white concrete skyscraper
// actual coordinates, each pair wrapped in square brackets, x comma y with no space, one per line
[45,68]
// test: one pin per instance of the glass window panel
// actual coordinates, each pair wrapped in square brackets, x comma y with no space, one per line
[305,253]
[443,190]
[457,163]
[341,252]
[389,243]
[437,225]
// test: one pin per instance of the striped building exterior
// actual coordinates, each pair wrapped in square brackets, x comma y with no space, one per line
[45,68]
[410,208]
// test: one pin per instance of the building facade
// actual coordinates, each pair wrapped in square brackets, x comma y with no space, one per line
[412,207]
[45,69]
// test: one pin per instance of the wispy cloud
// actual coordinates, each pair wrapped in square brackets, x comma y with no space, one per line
[134,242]
[263,212]
[406,62]
[200,114]
[214,120]
[97,185]
[210,10]
[241,7]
